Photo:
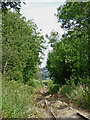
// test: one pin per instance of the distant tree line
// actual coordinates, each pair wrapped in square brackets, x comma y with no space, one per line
[45,73]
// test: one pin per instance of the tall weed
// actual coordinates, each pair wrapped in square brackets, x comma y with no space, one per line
[16,98]
[78,94]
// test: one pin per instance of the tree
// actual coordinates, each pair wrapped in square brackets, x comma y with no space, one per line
[75,15]
[15,5]
[69,57]
[59,70]
[22,44]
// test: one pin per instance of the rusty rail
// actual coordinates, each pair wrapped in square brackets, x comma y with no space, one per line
[50,111]
[82,116]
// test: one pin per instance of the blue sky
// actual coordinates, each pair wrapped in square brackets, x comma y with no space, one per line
[42,14]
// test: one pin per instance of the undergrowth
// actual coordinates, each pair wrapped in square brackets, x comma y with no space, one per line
[77,94]
[17,100]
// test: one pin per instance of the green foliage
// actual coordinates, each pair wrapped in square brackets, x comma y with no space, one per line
[54,88]
[54,37]
[73,14]
[81,96]
[37,83]
[37,74]
[47,82]
[22,44]
[68,62]
[16,98]
[56,64]
[69,57]
[66,89]
[15,5]
[85,80]
[77,94]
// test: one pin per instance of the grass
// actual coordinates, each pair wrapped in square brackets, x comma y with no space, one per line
[17,100]
[77,94]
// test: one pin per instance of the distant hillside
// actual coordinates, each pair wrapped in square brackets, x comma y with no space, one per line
[45,73]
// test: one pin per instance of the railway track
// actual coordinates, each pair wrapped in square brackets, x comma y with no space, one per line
[54,117]
[82,116]
[50,111]
[59,110]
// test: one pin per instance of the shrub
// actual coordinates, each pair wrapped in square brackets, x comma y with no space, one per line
[49,83]
[81,97]
[78,94]
[16,97]
[37,83]
[54,88]
[44,82]
[66,89]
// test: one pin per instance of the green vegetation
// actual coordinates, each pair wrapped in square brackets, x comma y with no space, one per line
[68,62]
[16,5]
[66,89]
[77,94]
[47,82]
[54,88]
[21,47]
[16,99]
[21,44]
[69,58]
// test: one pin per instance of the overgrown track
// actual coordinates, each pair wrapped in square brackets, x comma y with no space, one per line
[58,108]
[56,118]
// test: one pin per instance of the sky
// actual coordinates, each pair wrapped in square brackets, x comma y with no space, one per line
[44,0]
[42,12]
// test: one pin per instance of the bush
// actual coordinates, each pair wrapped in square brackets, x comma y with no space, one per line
[54,88]
[78,94]
[81,97]
[37,83]
[16,97]
[66,89]
[49,83]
